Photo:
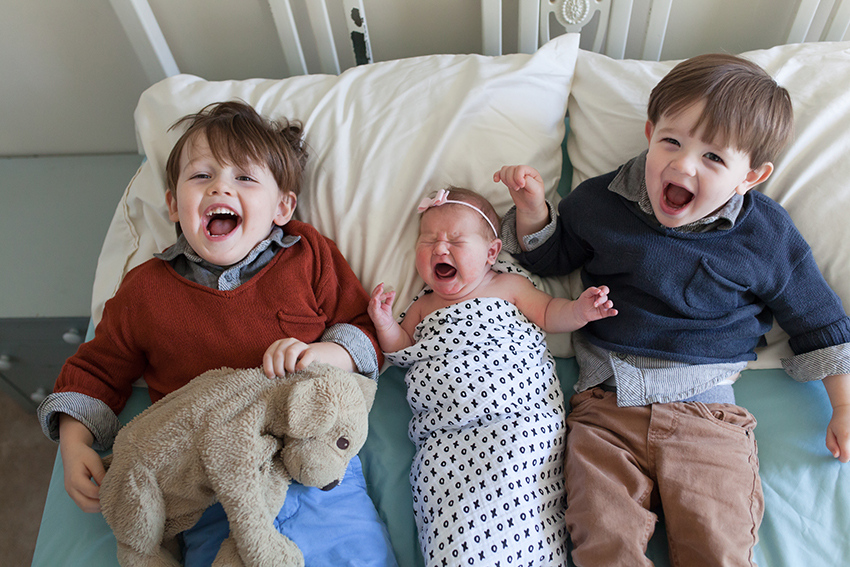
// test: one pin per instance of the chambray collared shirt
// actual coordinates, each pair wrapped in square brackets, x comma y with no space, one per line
[188,264]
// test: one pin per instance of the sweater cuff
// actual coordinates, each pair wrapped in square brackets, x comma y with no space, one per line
[98,418]
[358,346]
[833,334]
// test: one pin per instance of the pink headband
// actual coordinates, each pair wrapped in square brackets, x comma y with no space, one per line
[443,197]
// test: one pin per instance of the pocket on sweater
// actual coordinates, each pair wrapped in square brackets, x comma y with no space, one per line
[305,328]
[712,292]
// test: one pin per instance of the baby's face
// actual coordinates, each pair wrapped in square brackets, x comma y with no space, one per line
[452,255]
[688,178]
[225,211]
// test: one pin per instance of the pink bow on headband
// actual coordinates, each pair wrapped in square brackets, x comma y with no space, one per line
[442,198]
[426,203]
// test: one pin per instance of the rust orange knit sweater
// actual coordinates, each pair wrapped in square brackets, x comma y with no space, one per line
[169,330]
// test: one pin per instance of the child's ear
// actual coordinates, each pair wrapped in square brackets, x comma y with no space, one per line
[285,208]
[754,177]
[493,251]
[648,129]
[171,201]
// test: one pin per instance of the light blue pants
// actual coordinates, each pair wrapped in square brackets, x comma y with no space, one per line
[336,528]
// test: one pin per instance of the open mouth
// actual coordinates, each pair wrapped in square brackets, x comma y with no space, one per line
[221,221]
[676,197]
[444,271]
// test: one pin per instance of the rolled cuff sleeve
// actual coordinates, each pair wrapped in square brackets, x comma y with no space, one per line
[358,345]
[818,364]
[510,242]
[100,420]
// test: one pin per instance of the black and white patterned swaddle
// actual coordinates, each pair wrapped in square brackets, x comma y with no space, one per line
[488,425]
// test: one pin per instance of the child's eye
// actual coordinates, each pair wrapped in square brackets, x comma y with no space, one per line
[200,176]
[672,141]
[714,157]
[244,178]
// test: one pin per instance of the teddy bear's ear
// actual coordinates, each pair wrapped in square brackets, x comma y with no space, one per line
[369,387]
[311,408]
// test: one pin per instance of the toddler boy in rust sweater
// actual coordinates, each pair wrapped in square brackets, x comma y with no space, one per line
[245,285]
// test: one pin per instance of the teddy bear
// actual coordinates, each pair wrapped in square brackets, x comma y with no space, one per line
[237,437]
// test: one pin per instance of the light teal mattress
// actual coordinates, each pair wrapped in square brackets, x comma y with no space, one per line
[807,492]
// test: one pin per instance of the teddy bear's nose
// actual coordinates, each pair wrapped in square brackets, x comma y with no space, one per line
[334,484]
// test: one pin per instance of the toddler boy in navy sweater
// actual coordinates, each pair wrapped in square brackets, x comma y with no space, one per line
[698,265]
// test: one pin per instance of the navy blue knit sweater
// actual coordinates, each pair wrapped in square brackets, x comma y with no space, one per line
[692,297]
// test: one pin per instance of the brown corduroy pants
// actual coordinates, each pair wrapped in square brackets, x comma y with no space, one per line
[697,462]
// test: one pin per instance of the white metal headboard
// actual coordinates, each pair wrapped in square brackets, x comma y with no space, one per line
[814,20]
[151,47]
[611,33]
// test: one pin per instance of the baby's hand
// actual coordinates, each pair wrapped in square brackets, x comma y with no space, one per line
[526,186]
[380,308]
[838,433]
[593,304]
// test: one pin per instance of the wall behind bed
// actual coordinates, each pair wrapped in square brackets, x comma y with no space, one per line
[54,212]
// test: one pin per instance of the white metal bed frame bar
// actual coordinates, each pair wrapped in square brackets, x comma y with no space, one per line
[836,24]
[146,37]
[573,15]
[358,33]
[491,25]
[155,55]
[288,35]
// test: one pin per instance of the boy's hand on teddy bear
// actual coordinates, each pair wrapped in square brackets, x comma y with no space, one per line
[291,355]
[81,464]
[287,355]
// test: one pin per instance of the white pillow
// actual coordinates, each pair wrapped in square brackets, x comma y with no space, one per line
[607,110]
[380,138]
